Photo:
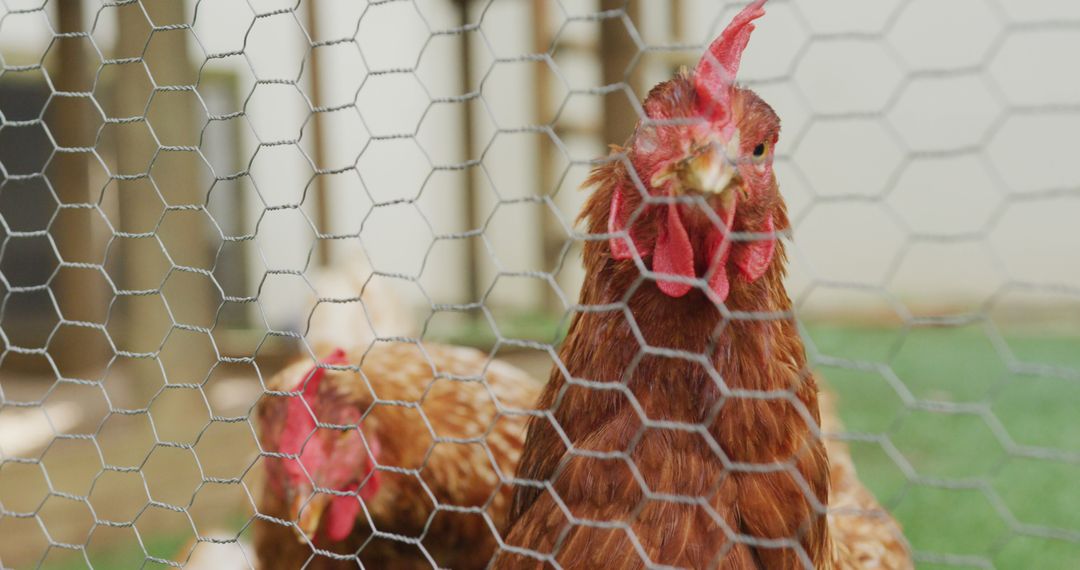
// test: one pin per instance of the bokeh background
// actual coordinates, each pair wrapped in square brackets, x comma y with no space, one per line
[184,181]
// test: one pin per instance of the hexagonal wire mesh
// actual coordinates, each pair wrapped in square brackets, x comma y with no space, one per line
[183,184]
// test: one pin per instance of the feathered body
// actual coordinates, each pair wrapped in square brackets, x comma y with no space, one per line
[767,419]
[435,433]
[683,429]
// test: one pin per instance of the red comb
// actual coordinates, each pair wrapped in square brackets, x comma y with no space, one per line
[717,69]
[299,424]
[336,358]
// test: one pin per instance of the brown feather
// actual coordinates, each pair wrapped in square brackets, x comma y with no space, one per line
[737,477]
[439,383]
[764,355]
[865,534]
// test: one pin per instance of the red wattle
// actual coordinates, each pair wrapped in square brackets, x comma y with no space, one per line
[372,474]
[719,252]
[620,246]
[718,248]
[342,513]
[617,222]
[341,517]
[753,258]
[673,254]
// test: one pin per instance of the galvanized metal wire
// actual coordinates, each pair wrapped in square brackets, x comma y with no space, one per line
[151,226]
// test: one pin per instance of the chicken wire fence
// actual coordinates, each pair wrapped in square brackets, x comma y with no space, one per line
[192,192]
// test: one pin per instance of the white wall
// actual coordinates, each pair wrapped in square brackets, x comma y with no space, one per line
[928,154]
[928,151]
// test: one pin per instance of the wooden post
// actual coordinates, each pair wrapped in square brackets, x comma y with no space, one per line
[78,351]
[617,50]
[174,122]
[678,26]
[474,289]
[318,135]
[553,236]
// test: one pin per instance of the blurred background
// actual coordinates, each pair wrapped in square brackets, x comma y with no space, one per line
[186,185]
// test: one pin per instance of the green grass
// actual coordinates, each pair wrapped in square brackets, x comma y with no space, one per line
[950,405]
[120,549]
[125,554]
[948,476]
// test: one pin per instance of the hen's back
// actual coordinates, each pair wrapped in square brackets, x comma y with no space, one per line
[864,533]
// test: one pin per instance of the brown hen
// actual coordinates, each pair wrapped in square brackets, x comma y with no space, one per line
[414,428]
[683,430]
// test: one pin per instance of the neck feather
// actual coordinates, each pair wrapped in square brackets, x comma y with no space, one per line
[757,349]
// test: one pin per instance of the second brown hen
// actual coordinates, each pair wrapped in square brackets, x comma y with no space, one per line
[397,464]
[865,535]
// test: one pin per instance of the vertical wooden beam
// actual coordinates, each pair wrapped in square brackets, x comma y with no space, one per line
[77,351]
[143,322]
[678,26]
[174,119]
[552,235]
[71,74]
[318,134]
[617,51]
[474,290]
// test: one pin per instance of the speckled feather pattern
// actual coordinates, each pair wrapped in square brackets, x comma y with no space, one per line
[865,534]
[398,386]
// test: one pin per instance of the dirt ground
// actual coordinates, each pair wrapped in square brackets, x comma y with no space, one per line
[114,480]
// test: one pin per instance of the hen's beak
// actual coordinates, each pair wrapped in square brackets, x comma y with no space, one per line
[709,170]
[712,171]
[307,510]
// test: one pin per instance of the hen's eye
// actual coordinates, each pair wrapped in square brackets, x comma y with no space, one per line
[759,150]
